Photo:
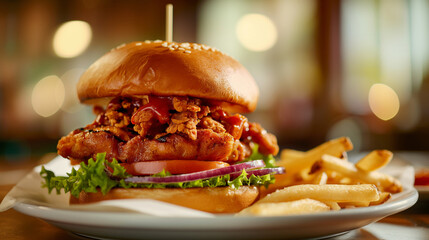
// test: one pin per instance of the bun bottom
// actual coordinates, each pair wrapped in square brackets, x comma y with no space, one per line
[213,200]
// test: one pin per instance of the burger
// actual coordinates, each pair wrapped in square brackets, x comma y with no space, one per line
[168,127]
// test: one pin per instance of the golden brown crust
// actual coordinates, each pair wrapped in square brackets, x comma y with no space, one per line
[214,200]
[194,70]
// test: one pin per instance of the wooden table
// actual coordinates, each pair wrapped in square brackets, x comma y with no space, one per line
[411,224]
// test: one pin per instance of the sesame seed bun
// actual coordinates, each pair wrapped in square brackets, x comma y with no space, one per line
[169,69]
[213,200]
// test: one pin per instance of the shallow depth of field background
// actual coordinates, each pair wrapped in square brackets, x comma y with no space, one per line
[357,68]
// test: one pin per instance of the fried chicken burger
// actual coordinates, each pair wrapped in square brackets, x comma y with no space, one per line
[169,127]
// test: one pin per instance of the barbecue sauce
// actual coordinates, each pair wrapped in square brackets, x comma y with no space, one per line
[159,106]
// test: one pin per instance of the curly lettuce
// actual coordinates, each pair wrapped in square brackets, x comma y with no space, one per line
[270,161]
[92,177]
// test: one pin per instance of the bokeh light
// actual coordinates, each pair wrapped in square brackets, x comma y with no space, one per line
[383,101]
[256,32]
[72,38]
[48,96]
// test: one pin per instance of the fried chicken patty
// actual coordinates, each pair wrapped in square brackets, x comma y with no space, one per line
[166,128]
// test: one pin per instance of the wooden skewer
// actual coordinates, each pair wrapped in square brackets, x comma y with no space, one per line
[169,22]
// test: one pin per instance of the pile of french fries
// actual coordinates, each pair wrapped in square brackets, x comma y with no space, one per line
[323,179]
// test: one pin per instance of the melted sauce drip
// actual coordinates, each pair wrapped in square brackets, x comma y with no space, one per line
[235,125]
[159,106]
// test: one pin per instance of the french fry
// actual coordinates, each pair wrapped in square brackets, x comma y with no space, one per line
[383,181]
[321,178]
[333,205]
[282,181]
[334,147]
[348,181]
[302,206]
[374,160]
[354,204]
[345,156]
[328,192]
[384,197]
[333,177]
[285,180]
[324,178]
[304,176]
[291,154]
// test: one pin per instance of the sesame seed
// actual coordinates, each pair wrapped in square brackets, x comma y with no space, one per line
[187,51]
[147,41]
[181,49]
[138,44]
[185,45]
[164,44]
[157,41]
[171,49]
[205,47]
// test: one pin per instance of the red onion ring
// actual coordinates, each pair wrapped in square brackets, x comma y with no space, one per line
[198,175]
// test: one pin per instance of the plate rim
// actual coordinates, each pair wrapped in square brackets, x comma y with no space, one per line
[409,198]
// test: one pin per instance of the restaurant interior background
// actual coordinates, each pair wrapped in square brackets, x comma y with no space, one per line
[356,68]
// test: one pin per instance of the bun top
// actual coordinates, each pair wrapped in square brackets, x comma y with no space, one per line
[169,69]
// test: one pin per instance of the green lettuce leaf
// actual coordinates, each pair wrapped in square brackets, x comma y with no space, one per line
[270,161]
[92,176]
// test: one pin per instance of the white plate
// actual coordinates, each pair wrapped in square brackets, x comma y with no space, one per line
[113,225]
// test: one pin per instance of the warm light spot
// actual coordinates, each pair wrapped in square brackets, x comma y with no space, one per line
[72,38]
[383,101]
[48,96]
[256,32]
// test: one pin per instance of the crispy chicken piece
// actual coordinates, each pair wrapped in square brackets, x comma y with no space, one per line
[143,122]
[83,145]
[191,131]
[267,142]
[210,123]
[184,122]
[209,146]
[119,133]
[182,104]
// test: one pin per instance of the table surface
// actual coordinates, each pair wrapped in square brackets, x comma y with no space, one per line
[411,224]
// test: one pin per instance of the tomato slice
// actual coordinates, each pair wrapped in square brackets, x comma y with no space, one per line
[172,166]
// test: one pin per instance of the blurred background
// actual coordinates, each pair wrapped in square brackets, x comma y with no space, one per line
[357,68]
